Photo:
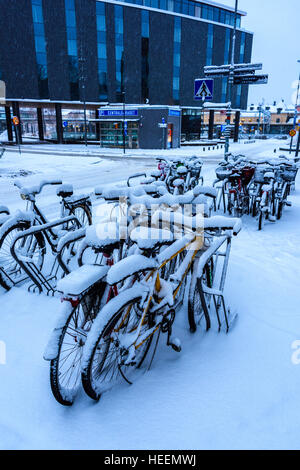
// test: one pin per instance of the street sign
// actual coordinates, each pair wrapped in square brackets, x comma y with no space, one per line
[162,125]
[251,79]
[292,133]
[65,123]
[16,121]
[204,89]
[223,70]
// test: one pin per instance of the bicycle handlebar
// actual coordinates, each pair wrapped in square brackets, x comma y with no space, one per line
[28,191]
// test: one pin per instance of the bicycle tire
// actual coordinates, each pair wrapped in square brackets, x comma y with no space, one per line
[89,305]
[102,331]
[5,244]
[86,212]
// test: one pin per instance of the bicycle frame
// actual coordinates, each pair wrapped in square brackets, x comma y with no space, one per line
[156,286]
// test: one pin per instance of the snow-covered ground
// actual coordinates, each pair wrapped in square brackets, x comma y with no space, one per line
[222,391]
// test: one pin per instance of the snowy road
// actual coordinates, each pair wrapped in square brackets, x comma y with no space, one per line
[237,391]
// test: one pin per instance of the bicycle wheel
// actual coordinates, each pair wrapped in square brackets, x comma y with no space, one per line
[199,302]
[104,354]
[83,214]
[261,220]
[65,369]
[33,246]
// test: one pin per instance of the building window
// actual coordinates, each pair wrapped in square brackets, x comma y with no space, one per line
[101,47]
[145,55]
[72,49]
[210,44]
[238,96]
[224,89]
[119,51]
[40,48]
[176,59]
[226,61]
[242,48]
[191,8]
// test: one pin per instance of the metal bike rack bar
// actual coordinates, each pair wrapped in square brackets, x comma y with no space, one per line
[42,282]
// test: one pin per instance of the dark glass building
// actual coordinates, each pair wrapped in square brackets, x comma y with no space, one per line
[140,51]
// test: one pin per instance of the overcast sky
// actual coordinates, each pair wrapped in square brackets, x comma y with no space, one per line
[275,24]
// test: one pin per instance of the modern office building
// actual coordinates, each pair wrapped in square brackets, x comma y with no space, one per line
[57,54]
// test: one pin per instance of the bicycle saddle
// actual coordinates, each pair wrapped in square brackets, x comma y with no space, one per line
[149,238]
[65,190]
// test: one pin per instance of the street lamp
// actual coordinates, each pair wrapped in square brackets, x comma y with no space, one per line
[296,115]
[230,81]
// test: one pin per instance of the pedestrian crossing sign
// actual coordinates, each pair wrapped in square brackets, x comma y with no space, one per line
[204,89]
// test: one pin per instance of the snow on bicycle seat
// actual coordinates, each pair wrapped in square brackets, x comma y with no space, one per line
[178,182]
[65,190]
[81,279]
[149,238]
[105,236]
[182,170]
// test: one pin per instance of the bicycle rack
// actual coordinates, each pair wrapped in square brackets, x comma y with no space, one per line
[220,198]
[40,281]
[216,251]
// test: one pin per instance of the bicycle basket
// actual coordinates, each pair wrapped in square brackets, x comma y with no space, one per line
[290,174]
[247,174]
[222,173]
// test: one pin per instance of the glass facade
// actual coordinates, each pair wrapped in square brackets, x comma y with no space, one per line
[111,134]
[241,59]
[210,45]
[145,55]
[119,51]
[190,8]
[40,48]
[176,59]
[242,48]
[101,48]
[72,49]
[226,61]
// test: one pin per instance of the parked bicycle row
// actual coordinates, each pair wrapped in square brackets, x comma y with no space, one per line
[257,188]
[124,278]
[156,244]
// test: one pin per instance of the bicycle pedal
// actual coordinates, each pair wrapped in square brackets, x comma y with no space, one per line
[288,204]
[175,344]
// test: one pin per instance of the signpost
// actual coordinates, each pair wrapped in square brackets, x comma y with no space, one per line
[163,125]
[16,123]
[203,90]
[232,71]
[292,133]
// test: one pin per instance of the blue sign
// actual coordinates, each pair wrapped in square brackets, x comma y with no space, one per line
[65,124]
[163,120]
[118,112]
[125,127]
[174,112]
[204,89]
